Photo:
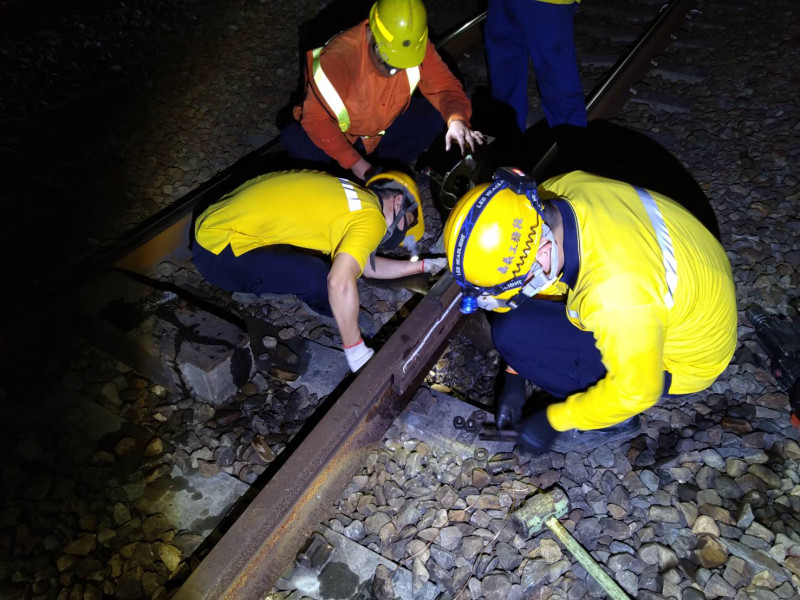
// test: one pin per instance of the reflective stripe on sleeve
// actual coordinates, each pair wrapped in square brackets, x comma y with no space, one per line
[353,201]
[664,243]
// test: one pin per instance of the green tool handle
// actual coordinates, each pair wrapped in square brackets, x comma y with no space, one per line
[609,585]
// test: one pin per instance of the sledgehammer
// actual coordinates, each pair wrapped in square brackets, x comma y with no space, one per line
[543,510]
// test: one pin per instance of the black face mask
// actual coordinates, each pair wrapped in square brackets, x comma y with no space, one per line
[392,239]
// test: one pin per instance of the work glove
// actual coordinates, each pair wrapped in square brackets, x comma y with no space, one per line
[433,265]
[357,355]
[510,401]
[536,433]
[459,132]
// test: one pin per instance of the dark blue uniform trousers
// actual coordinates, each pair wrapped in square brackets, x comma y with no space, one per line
[268,270]
[539,342]
[407,137]
[518,29]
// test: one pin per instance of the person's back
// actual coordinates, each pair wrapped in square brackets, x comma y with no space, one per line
[654,287]
[306,209]
[649,305]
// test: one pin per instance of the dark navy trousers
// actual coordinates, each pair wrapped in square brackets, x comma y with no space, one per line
[407,137]
[269,270]
[539,342]
[519,29]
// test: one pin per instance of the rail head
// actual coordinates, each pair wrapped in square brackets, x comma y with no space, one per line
[253,553]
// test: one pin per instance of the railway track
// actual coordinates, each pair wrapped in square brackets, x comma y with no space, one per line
[322,461]
[264,541]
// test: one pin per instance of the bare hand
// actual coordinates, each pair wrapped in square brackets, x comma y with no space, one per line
[360,169]
[461,133]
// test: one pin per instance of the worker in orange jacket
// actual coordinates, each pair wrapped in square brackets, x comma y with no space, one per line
[360,94]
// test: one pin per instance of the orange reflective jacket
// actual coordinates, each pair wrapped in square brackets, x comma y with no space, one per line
[372,100]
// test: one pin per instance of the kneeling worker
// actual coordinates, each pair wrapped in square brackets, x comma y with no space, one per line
[646,306]
[272,235]
[360,104]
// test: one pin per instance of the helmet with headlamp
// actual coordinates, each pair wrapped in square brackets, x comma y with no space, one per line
[410,210]
[492,237]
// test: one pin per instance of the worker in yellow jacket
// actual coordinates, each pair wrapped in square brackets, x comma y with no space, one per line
[312,234]
[611,297]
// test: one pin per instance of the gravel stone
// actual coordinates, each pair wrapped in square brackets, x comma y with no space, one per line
[496,586]
[717,587]
[450,537]
[723,458]
[709,552]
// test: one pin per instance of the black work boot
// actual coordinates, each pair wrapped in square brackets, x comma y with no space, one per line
[576,440]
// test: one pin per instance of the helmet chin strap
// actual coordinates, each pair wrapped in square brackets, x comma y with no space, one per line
[540,279]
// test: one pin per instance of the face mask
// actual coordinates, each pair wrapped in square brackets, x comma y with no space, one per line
[394,235]
[392,239]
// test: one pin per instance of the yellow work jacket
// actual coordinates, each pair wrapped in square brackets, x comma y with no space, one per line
[653,286]
[307,209]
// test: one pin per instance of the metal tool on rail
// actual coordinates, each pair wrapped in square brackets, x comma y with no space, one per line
[543,510]
[781,341]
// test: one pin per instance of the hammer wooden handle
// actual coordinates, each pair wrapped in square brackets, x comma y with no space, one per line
[609,585]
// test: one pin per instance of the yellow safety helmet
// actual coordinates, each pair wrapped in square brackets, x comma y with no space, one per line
[400,30]
[398,181]
[491,238]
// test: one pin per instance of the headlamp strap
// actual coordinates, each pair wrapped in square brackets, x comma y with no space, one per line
[504,177]
[521,184]
[466,230]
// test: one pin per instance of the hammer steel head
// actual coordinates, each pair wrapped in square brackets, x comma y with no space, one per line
[529,519]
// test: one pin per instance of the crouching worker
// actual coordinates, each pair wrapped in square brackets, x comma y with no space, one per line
[645,301]
[312,234]
[360,103]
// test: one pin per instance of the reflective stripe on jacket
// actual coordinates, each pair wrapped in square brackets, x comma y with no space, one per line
[331,96]
[305,209]
[653,286]
[372,100]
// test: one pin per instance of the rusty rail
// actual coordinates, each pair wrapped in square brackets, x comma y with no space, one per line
[253,554]
[609,97]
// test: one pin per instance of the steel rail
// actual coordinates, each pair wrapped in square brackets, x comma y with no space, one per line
[463,36]
[255,551]
[264,541]
[610,96]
